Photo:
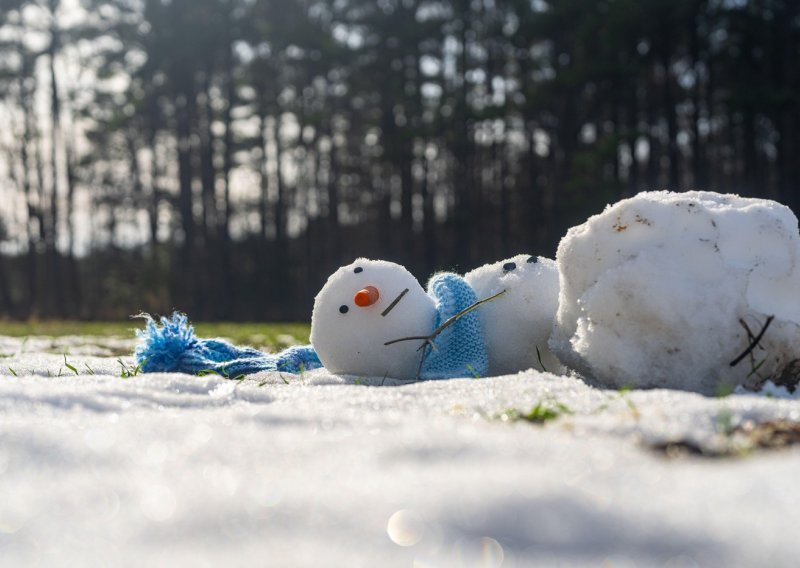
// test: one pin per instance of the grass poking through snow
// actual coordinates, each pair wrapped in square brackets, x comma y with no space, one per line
[128,372]
[542,412]
[70,367]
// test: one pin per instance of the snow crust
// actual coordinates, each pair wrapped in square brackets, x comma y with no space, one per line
[654,291]
[328,470]
[520,320]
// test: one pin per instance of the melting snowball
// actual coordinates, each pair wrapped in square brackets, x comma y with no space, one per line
[668,289]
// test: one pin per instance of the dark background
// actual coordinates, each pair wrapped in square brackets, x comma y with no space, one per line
[225,156]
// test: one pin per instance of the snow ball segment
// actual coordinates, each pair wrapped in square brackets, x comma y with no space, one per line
[517,325]
[696,291]
[361,307]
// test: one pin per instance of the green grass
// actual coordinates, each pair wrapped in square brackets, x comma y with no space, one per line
[543,411]
[260,335]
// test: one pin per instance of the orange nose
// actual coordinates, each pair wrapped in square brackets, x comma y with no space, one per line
[367,296]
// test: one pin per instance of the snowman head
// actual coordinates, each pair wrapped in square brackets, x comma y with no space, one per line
[362,306]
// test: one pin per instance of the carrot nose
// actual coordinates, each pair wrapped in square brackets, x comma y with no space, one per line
[367,296]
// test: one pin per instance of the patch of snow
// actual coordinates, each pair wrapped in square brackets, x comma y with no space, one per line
[654,291]
[172,469]
[771,390]
[69,344]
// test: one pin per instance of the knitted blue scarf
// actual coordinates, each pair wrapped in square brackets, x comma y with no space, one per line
[172,346]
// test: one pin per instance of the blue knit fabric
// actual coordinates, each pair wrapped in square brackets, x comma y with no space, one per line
[173,347]
[459,350]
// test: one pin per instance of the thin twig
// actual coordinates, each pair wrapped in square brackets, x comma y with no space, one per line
[754,343]
[422,360]
[753,366]
[451,320]
[539,357]
[746,327]
[393,341]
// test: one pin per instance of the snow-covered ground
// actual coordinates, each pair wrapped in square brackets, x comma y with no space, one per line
[176,470]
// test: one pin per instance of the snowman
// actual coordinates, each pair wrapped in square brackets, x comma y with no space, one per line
[519,322]
[372,318]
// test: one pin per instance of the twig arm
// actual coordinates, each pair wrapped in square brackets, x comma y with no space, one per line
[412,338]
[453,319]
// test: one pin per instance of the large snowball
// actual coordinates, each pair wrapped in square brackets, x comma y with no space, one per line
[520,320]
[349,338]
[654,290]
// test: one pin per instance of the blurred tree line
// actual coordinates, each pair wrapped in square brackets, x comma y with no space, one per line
[224,156]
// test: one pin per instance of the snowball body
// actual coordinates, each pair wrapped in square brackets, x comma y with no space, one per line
[349,338]
[520,320]
[653,290]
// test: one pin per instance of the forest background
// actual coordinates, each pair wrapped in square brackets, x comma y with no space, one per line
[223,157]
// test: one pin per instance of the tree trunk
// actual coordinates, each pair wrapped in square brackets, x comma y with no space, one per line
[281,288]
[263,172]
[186,279]
[673,178]
[698,160]
[72,264]
[155,193]
[634,173]
[532,195]
[227,304]
[464,198]
[54,274]
[654,151]
[6,302]
[430,244]
[34,213]
[332,186]
[208,173]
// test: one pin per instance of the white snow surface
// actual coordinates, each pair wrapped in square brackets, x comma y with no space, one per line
[654,291]
[178,470]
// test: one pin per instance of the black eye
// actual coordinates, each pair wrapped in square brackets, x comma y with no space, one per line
[343,309]
[533,259]
[358,269]
[509,266]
